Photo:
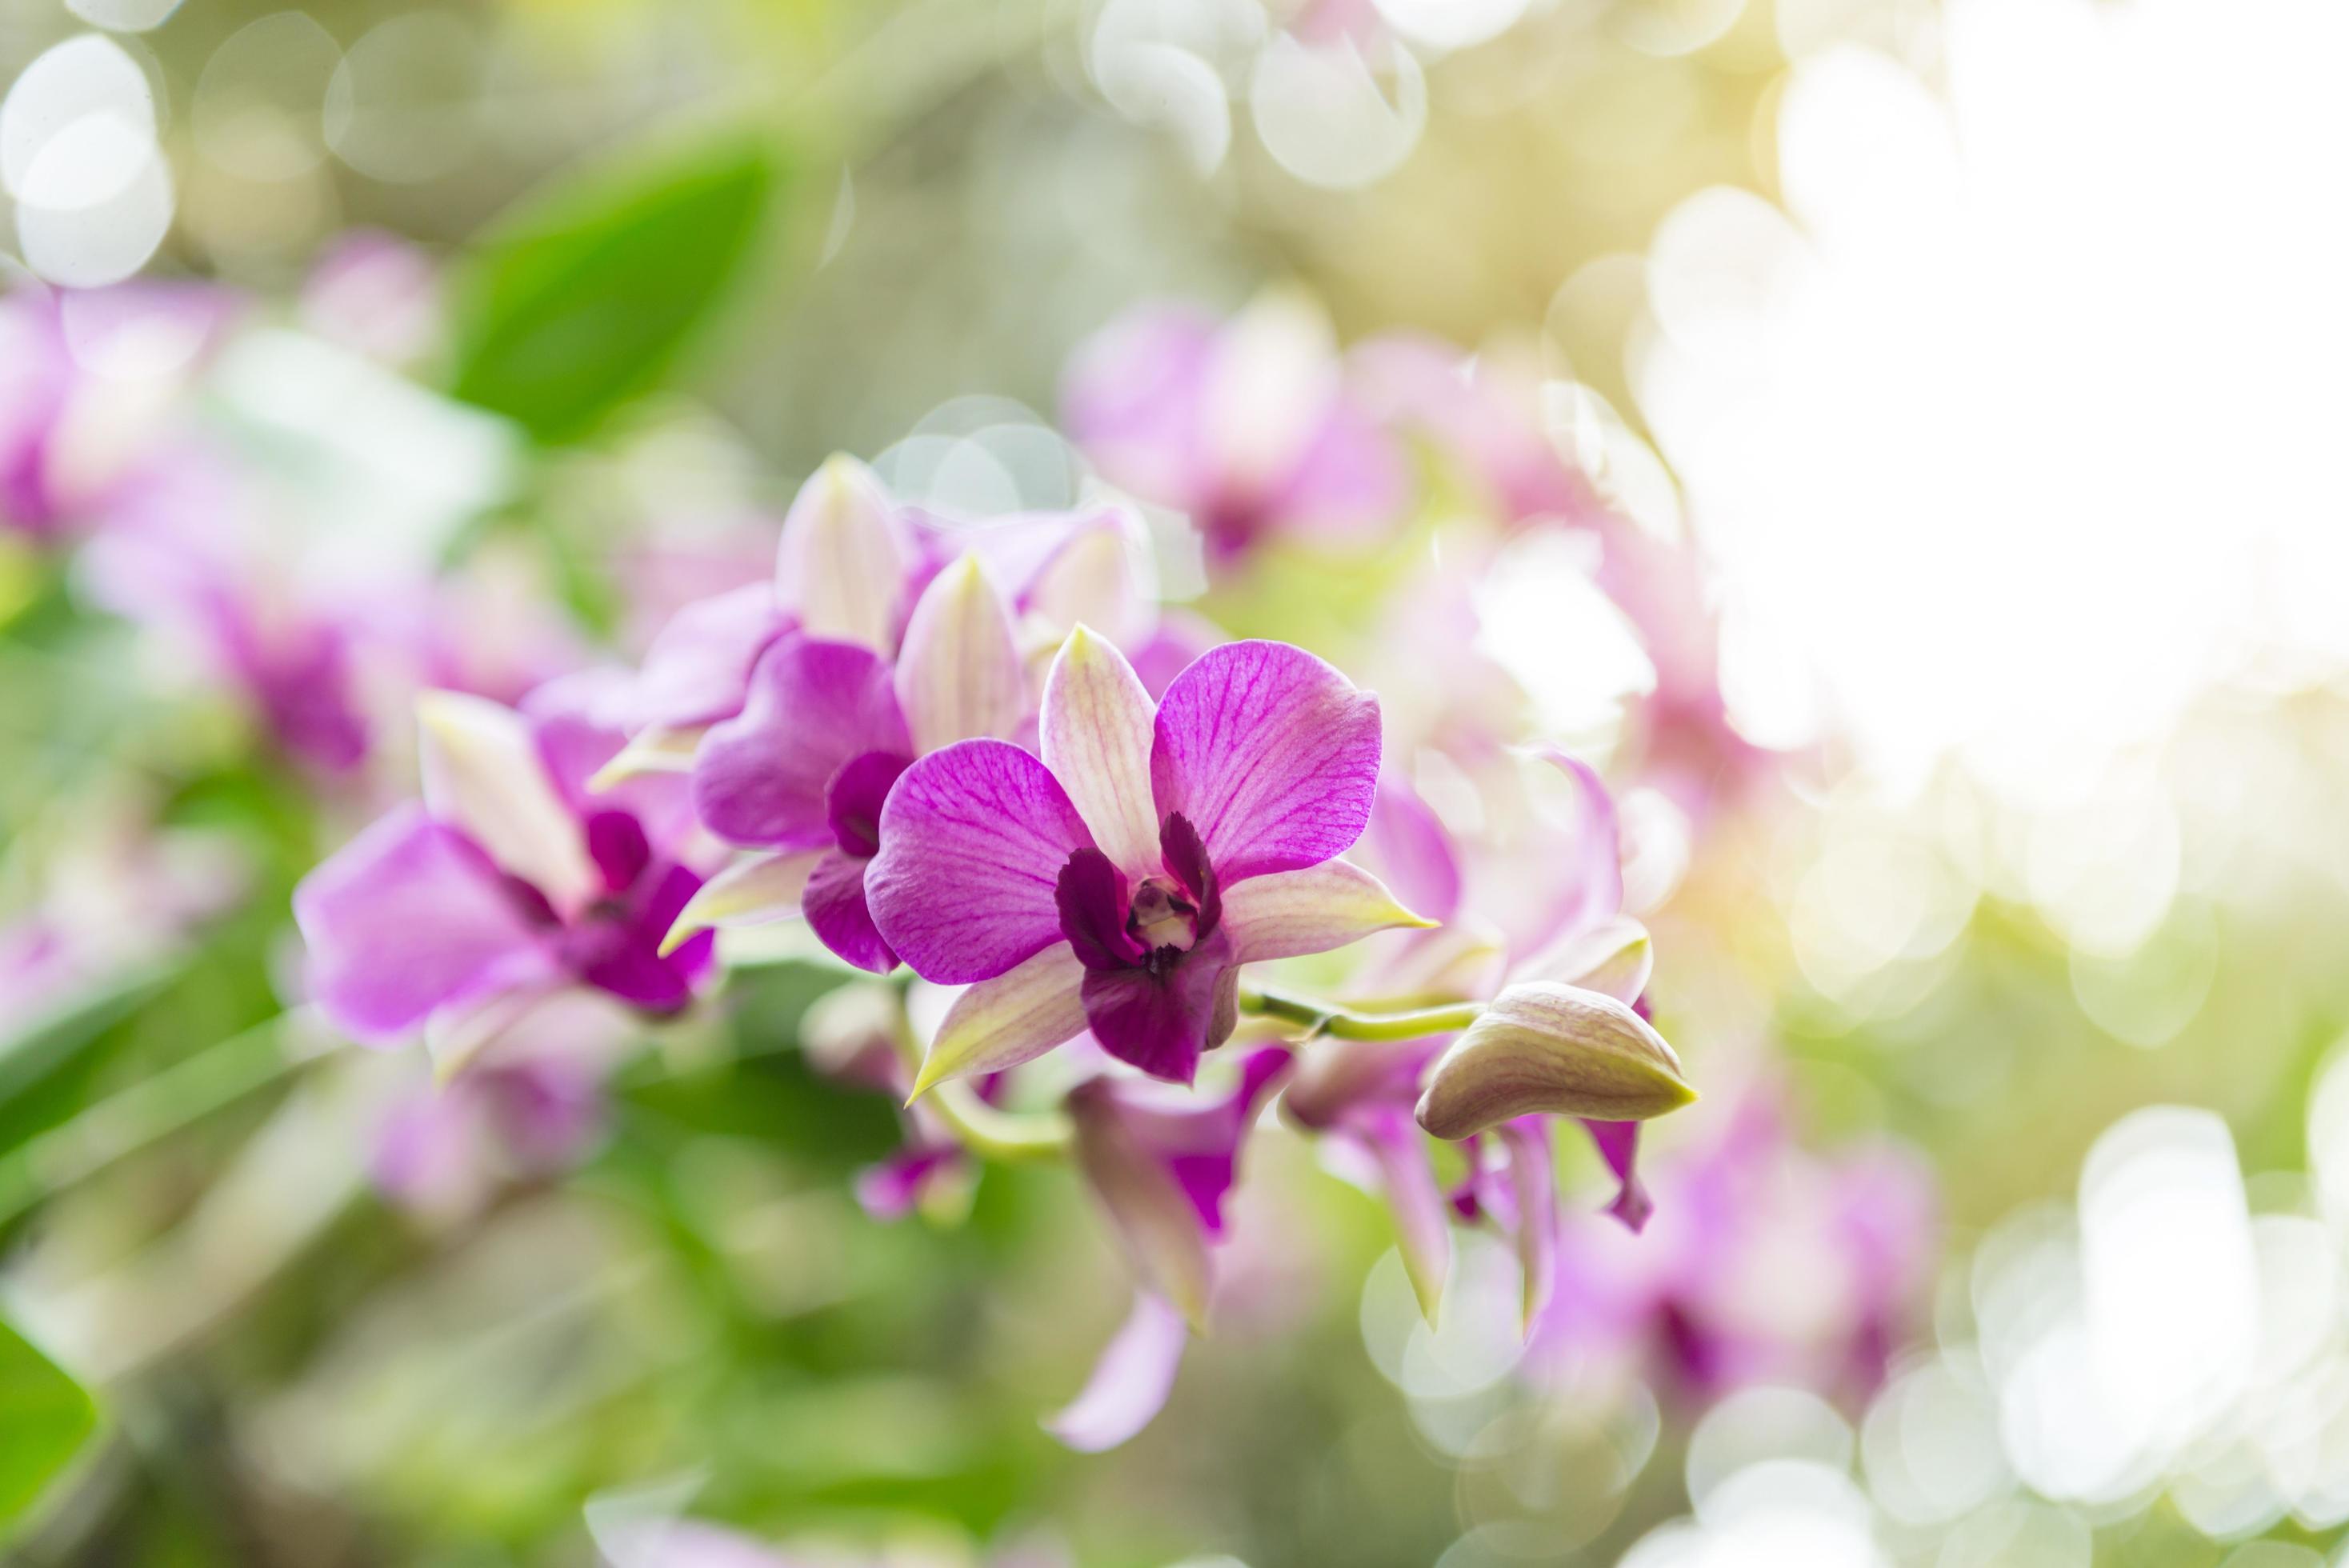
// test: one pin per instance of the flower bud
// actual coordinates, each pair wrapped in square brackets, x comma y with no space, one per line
[1543,1048]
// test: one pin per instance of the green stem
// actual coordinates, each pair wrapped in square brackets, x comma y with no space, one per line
[996,1134]
[144,1115]
[1348,1024]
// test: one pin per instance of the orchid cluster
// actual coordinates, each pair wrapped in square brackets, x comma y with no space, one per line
[282,545]
[974,756]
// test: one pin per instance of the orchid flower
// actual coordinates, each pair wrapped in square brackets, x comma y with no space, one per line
[1766,1262]
[1119,882]
[1564,1033]
[851,565]
[825,729]
[1246,425]
[508,882]
[1161,1170]
[89,382]
[1484,414]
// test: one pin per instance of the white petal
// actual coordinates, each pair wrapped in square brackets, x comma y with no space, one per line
[1098,725]
[1286,914]
[1015,1017]
[1091,579]
[754,890]
[1613,958]
[1130,1382]
[841,565]
[482,774]
[655,750]
[958,676]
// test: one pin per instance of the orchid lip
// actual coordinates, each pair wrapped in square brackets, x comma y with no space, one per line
[1150,927]
[854,798]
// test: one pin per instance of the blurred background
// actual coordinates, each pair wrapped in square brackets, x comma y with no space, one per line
[1985,353]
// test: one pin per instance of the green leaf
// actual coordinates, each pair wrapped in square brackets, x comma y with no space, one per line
[586,293]
[47,1416]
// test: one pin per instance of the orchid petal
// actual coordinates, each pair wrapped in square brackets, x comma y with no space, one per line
[483,775]
[1161,1023]
[973,839]
[625,958]
[837,913]
[1270,382]
[698,665]
[1092,579]
[456,1035]
[842,560]
[1014,1017]
[1272,754]
[958,675]
[1130,1383]
[1544,1047]
[1335,1077]
[1590,888]
[1408,842]
[754,890]
[1613,958]
[1290,913]
[1423,1229]
[1097,733]
[1155,1220]
[1349,480]
[657,750]
[1532,1183]
[1618,1145]
[813,705]
[1133,399]
[407,919]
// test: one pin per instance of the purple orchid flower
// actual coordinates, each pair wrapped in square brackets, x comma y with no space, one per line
[1119,883]
[841,560]
[1364,1093]
[1485,414]
[444,1149]
[509,881]
[1246,425]
[373,291]
[1161,1170]
[827,727]
[852,565]
[87,381]
[1766,1262]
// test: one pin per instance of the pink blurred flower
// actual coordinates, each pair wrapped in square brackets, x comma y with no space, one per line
[1247,426]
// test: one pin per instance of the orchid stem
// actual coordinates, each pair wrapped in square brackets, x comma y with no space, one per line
[146,1113]
[996,1134]
[1346,1024]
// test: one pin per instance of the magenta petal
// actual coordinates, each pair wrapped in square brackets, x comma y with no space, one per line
[1271,753]
[761,777]
[973,839]
[1161,1022]
[408,917]
[1133,399]
[1348,483]
[836,912]
[1130,1382]
[698,670]
[890,1190]
[1411,851]
[1207,1164]
[1588,886]
[1091,895]
[622,956]
[1618,1145]
[852,800]
[616,843]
